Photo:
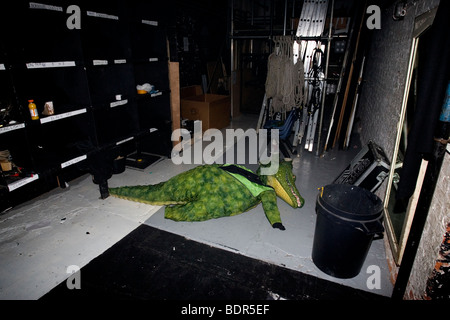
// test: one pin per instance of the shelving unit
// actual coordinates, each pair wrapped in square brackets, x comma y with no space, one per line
[149,53]
[90,74]
[253,26]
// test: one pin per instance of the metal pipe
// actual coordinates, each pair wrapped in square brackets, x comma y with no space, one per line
[292,17]
[232,71]
[271,24]
[251,40]
[326,77]
[250,37]
[338,90]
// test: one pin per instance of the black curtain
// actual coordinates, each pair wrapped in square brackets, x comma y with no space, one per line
[433,77]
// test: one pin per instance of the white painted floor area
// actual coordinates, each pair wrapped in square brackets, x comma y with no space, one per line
[40,239]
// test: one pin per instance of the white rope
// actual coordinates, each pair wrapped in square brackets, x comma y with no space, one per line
[285,80]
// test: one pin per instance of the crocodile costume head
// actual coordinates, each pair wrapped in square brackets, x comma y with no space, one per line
[283,183]
[214,191]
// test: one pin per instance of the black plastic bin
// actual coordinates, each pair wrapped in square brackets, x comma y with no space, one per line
[348,219]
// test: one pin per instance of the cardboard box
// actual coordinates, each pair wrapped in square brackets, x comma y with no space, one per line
[6,165]
[340,25]
[190,91]
[213,110]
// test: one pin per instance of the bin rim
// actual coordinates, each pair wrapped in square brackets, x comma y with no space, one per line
[346,214]
[372,226]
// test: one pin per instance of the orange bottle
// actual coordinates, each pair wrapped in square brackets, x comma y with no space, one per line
[33,110]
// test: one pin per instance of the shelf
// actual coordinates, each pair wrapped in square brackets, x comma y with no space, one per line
[40,33]
[66,87]
[149,95]
[72,161]
[20,183]
[115,124]
[105,62]
[62,116]
[146,131]
[102,15]
[124,140]
[53,64]
[90,74]
[118,103]
[24,181]
[107,81]
[153,73]
[150,22]
[55,160]
[35,5]
[147,60]
[147,38]
[151,108]
[104,34]
[106,104]
[146,13]
[155,94]
[12,127]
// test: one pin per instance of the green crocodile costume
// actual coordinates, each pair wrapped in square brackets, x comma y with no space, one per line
[214,191]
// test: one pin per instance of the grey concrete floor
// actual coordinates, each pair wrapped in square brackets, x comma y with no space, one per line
[41,240]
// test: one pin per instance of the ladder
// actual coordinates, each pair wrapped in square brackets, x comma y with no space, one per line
[311,25]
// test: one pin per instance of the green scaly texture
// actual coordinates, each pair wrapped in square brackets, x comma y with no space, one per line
[202,193]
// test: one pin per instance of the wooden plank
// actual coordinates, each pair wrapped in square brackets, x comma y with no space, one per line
[349,80]
[174,81]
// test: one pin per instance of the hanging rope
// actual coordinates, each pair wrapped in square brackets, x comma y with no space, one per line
[285,79]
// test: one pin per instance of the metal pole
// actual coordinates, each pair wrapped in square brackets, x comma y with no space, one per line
[339,85]
[326,77]
[292,17]
[251,40]
[233,72]
[271,24]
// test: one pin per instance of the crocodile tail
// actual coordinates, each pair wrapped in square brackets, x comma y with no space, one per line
[150,194]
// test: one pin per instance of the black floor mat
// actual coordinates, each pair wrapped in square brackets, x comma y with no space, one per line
[141,160]
[151,264]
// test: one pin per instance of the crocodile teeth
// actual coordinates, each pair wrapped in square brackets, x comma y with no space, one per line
[296,197]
